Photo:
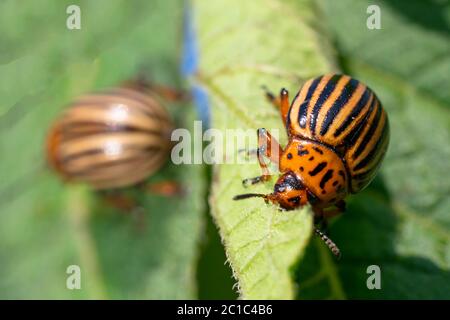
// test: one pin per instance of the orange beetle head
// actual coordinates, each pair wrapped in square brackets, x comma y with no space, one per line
[289,193]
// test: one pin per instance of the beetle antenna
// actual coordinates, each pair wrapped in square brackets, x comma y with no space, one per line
[330,244]
[249,195]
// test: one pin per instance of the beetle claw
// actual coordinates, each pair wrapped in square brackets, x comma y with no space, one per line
[248,153]
[247,182]
[251,181]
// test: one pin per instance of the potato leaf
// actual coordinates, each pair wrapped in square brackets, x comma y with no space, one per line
[242,46]
[46,225]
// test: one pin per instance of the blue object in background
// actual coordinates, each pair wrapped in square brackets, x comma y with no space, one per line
[189,66]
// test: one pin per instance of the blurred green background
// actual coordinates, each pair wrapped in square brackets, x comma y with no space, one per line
[401,222]
[47,226]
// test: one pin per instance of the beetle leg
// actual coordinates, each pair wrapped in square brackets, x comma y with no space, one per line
[168,93]
[341,205]
[320,221]
[126,204]
[271,98]
[322,214]
[329,243]
[281,103]
[119,200]
[340,208]
[284,104]
[248,152]
[250,181]
[267,147]
[164,188]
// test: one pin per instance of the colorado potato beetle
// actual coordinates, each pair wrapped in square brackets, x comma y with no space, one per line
[338,135]
[111,139]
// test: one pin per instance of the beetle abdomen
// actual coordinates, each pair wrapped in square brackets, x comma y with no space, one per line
[345,114]
[111,139]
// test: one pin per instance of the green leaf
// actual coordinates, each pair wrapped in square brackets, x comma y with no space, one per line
[238,55]
[46,225]
[401,222]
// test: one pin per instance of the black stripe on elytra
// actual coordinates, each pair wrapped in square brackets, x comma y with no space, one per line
[375,149]
[355,112]
[317,169]
[85,153]
[138,169]
[327,176]
[369,170]
[71,131]
[94,151]
[369,134]
[341,173]
[363,175]
[304,106]
[110,164]
[354,134]
[324,95]
[302,152]
[103,100]
[149,107]
[146,154]
[338,104]
[98,127]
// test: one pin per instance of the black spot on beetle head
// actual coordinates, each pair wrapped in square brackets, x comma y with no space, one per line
[290,180]
[278,188]
[294,200]
[289,192]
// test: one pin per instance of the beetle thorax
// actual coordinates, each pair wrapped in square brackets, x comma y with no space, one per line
[318,167]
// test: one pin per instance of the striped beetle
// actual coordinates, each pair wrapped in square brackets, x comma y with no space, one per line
[338,135]
[115,138]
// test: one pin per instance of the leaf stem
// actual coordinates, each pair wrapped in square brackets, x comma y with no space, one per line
[79,215]
[331,272]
